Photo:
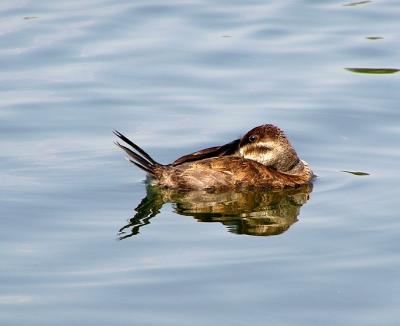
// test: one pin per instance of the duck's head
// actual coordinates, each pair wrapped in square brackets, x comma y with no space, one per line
[268,145]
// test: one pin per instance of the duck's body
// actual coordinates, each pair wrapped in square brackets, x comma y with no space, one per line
[263,158]
[227,172]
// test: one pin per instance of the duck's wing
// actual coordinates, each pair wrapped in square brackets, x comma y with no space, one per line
[224,150]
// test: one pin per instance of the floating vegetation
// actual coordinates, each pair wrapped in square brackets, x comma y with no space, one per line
[374,38]
[352,4]
[359,173]
[376,71]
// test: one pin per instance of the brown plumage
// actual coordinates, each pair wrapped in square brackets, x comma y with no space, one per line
[262,158]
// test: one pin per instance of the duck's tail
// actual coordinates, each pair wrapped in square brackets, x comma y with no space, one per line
[136,155]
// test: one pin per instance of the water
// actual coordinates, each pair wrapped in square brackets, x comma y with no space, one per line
[177,77]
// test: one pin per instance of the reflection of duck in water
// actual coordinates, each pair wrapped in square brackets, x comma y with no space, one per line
[262,158]
[267,212]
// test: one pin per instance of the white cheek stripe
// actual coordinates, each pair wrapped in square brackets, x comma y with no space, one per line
[258,145]
[263,158]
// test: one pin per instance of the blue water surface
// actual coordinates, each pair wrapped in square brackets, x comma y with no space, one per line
[177,76]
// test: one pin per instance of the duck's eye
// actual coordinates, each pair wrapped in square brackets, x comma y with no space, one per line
[252,138]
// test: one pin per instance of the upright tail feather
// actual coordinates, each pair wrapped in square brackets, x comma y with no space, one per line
[137,155]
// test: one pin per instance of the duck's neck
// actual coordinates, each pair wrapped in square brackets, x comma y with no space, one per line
[301,169]
[296,168]
[288,162]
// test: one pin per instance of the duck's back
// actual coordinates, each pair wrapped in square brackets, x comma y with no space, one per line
[224,173]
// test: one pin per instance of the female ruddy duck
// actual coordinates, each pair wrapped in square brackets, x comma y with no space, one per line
[262,158]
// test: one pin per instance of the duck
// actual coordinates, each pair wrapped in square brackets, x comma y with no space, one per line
[263,158]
